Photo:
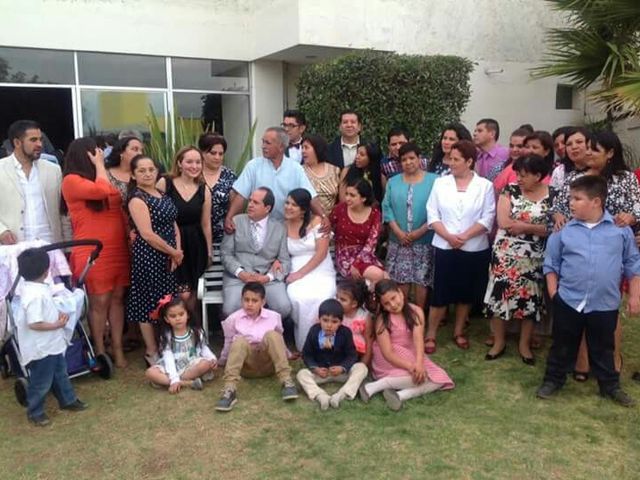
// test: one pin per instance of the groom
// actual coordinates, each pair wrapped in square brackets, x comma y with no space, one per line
[256,252]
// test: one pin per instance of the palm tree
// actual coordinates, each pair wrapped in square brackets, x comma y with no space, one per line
[600,46]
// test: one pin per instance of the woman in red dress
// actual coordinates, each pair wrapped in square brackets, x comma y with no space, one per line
[95,209]
[356,224]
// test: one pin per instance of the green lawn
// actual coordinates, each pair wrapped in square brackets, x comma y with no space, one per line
[489,427]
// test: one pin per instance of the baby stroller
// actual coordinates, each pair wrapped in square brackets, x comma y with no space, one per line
[80,356]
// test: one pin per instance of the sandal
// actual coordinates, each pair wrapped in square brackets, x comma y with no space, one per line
[150,359]
[461,342]
[580,376]
[429,345]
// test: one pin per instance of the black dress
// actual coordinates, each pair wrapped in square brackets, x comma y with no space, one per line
[151,278]
[192,239]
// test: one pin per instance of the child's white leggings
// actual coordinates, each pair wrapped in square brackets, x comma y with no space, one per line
[405,386]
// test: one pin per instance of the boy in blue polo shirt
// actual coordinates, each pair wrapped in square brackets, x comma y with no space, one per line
[584,265]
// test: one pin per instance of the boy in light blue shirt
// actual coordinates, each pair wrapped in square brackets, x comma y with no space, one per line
[584,266]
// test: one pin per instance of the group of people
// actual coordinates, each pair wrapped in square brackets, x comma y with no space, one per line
[477,225]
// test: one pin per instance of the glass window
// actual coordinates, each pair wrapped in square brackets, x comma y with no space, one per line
[122,70]
[564,97]
[106,111]
[26,65]
[219,75]
[225,114]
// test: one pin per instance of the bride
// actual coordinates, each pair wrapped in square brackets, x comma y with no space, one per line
[313,277]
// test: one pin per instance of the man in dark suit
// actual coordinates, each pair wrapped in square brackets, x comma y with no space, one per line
[342,151]
[295,124]
[256,252]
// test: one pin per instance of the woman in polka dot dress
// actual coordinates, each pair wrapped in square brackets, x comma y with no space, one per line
[156,251]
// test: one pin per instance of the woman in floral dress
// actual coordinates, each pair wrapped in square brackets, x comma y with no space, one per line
[356,224]
[516,284]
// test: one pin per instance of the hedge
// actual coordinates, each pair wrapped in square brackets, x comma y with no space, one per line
[418,92]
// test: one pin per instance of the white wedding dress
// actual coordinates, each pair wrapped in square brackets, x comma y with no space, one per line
[310,291]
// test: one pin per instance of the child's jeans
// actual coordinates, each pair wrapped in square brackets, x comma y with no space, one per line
[599,328]
[48,373]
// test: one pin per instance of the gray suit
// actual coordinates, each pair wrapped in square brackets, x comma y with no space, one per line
[237,251]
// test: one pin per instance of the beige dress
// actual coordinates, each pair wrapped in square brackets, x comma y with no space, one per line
[326,185]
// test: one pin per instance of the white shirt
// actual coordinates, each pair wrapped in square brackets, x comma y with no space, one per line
[294,153]
[34,217]
[261,227]
[349,151]
[459,210]
[36,305]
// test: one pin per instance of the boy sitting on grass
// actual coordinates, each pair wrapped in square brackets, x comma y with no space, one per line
[330,356]
[253,347]
[42,340]
[584,264]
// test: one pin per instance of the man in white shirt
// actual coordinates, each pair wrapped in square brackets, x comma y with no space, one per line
[256,252]
[30,208]
[295,124]
[342,151]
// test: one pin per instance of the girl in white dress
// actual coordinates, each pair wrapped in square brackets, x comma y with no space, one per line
[313,277]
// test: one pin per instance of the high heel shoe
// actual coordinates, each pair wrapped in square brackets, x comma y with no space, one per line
[490,356]
[528,360]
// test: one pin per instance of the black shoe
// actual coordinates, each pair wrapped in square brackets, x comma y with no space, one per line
[289,390]
[546,390]
[528,360]
[620,397]
[40,420]
[76,406]
[490,357]
[227,400]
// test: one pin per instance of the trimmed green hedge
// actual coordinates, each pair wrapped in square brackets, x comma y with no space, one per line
[421,93]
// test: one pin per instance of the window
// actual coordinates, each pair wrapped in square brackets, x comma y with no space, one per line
[225,114]
[220,75]
[107,69]
[107,111]
[564,97]
[26,65]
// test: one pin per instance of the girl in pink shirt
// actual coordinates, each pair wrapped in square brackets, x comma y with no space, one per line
[352,295]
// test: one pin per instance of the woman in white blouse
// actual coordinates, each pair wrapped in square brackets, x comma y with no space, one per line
[461,210]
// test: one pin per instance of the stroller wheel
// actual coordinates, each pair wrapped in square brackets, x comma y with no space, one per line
[20,389]
[105,366]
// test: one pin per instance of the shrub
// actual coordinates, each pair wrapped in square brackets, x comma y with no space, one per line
[421,93]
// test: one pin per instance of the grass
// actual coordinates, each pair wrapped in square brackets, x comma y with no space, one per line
[489,427]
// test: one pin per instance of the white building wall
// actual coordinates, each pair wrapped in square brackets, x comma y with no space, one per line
[267,94]
[220,29]
[506,35]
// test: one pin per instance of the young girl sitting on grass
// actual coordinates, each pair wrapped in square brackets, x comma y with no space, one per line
[352,295]
[185,354]
[399,365]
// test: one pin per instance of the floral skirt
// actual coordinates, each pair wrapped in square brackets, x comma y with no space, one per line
[410,264]
[516,283]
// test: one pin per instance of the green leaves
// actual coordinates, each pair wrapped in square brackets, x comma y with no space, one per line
[601,46]
[421,93]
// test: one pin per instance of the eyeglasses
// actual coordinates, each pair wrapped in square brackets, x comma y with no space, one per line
[289,125]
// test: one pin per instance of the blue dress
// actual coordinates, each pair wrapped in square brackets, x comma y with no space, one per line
[151,278]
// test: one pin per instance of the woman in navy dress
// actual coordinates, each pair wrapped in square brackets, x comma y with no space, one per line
[156,250]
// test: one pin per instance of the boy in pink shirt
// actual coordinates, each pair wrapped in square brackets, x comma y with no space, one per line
[253,347]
